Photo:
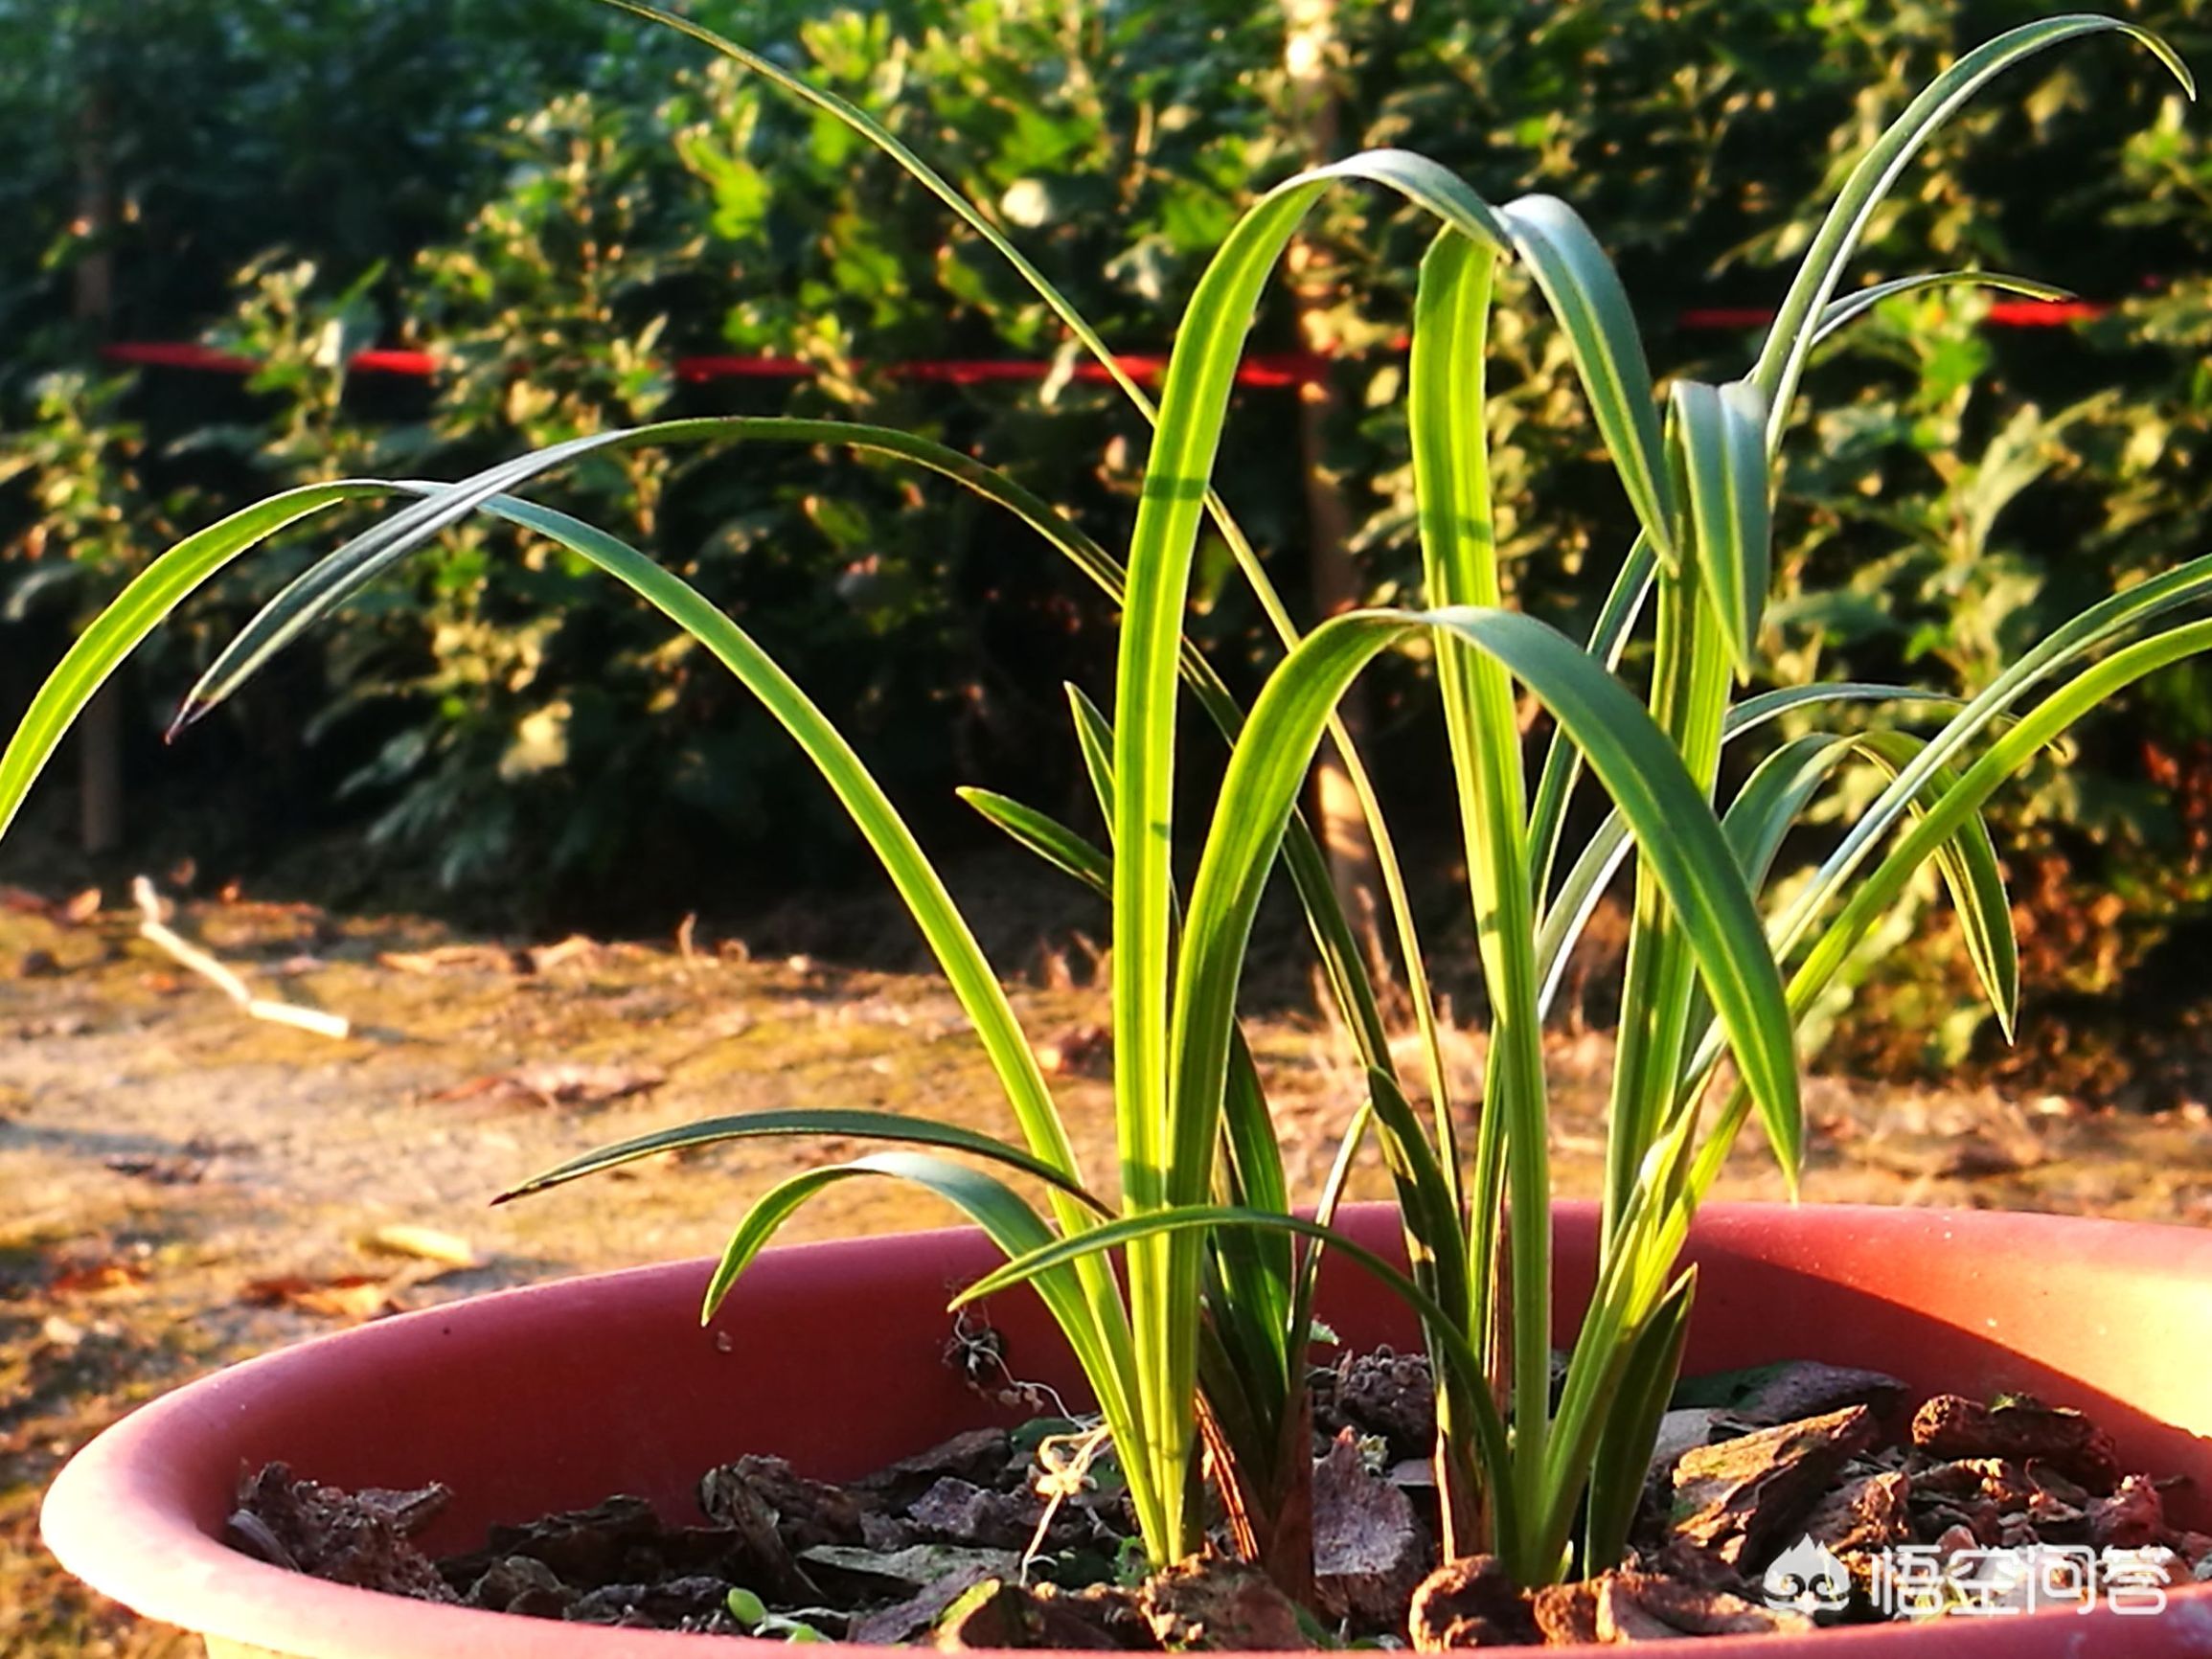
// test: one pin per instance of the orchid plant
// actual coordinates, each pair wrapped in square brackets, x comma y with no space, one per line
[1185,1289]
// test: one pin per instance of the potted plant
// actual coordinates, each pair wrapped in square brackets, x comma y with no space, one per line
[503,1401]
[1184,1303]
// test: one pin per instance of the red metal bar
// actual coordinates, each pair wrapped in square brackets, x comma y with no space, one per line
[742,369]
[164,355]
[1266,369]
[394,362]
[1725,317]
[2043,313]
[2003,313]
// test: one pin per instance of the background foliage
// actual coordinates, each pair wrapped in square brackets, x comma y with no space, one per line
[563,202]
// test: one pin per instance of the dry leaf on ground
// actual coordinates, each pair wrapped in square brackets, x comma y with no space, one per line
[452,957]
[89,1278]
[423,1244]
[576,947]
[345,1296]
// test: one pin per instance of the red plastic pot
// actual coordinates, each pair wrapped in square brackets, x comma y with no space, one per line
[831,1354]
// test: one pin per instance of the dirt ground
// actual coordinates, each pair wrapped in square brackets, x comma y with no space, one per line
[181,1185]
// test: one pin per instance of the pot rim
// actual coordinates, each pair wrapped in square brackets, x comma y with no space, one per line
[119,1518]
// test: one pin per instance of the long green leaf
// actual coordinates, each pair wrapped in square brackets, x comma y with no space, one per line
[1807,317]
[1689,699]
[1769,806]
[1674,825]
[1436,1246]
[1722,433]
[1789,340]
[1194,402]
[1939,821]
[1717,446]
[1339,949]
[1676,838]
[1253,1312]
[1840,314]
[878,820]
[1251,1303]
[1164,1272]
[1586,296]
[876,134]
[336,578]
[1250,1275]
[1046,836]
[1616,617]
[1624,1452]
[313,595]
[135,612]
[1607,849]
[844,1123]
[2094,629]
[1967,863]
[1754,712]
[1445,419]
[1094,738]
[2187,584]
[990,1204]
[1332,933]
[1562,763]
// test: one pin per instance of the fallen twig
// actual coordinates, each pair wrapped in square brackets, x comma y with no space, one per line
[155,931]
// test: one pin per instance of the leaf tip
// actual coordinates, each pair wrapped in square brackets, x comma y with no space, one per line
[188,713]
[1743,651]
[2182,73]
[2163,51]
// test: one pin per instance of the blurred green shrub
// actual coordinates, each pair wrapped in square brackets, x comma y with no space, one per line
[563,203]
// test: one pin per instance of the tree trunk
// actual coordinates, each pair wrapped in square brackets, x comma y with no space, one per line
[100,731]
[1309,45]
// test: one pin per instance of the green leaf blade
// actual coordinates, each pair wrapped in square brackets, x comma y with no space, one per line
[1592,308]
[1723,436]
[134,613]
[1681,841]
[1790,338]
[1044,835]
[839,1123]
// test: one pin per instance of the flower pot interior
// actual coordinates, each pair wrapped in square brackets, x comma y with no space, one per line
[834,1355]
